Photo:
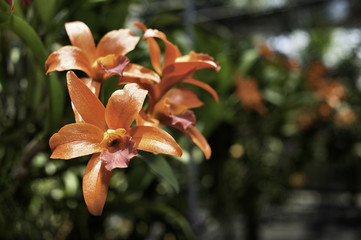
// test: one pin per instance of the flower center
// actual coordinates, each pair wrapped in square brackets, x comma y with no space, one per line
[112,138]
[118,149]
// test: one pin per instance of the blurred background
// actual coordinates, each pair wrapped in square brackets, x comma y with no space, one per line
[285,134]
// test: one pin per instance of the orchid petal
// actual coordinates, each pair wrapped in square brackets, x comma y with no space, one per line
[144,120]
[179,68]
[68,58]
[95,185]
[171,51]
[184,97]
[199,60]
[184,120]
[169,81]
[118,156]
[199,140]
[94,86]
[75,140]
[124,105]
[155,140]
[117,42]
[81,36]
[204,86]
[118,68]
[135,71]
[86,103]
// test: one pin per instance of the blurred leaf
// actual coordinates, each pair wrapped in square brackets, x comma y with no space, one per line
[107,88]
[249,58]
[4,11]
[46,9]
[28,35]
[161,168]
[138,177]
[178,218]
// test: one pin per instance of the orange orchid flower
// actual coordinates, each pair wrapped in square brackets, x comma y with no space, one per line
[98,62]
[107,134]
[167,105]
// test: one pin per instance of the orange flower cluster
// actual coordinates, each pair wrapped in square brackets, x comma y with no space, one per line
[108,132]
[332,95]
[267,53]
[248,92]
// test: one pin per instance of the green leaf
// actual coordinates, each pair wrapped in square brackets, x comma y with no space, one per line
[56,104]
[45,10]
[160,167]
[56,92]
[28,35]
[4,11]
[107,88]
[178,218]
[248,59]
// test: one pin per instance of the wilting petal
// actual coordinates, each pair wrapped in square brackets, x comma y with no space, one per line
[204,86]
[124,105]
[199,140]
[68,58]
[95,185]
[135,71]
[118,155]
[118,66]
[117,42]
[171,51]
[81,36]
[86,103]
[155,140]
[184,97]
[75,140]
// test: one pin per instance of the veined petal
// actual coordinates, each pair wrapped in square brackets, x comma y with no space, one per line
[86,103]
[75,140]
[199,140]
[68,58]
[135,71]
[203,85]
[81,36]
[171,51]
[124,105]
[117,42]
[155,140]
[95,185]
